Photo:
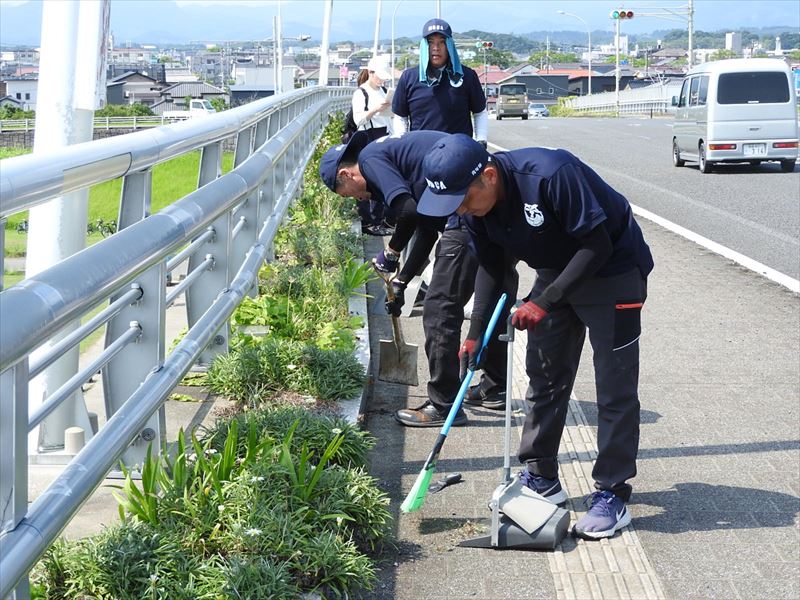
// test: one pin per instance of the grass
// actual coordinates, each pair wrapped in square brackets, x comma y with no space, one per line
[172,180]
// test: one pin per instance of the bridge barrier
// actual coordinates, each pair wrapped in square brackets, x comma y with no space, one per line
[225,230]
[653,99]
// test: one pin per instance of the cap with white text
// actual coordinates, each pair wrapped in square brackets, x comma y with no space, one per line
[437,26]
[329,163]
[449,168]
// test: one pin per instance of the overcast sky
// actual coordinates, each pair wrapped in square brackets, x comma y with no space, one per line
[197,20]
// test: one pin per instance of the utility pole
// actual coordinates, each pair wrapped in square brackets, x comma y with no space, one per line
[326,37]
[691,31]
[377,29]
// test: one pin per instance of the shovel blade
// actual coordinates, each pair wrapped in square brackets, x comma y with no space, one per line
[398,363]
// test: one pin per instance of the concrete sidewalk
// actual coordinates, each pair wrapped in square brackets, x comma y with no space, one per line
[715,503]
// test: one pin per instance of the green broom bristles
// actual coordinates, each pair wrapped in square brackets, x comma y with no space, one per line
[416,497]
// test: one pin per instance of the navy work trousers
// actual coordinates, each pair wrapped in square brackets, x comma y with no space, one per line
[451,287]
[610,308]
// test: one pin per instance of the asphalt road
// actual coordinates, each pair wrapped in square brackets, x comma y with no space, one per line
[754,211]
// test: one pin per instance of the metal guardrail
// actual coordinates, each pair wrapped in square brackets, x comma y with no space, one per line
[225,230]
[133,122]
[653,99]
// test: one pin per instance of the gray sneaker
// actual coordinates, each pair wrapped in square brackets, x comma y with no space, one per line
[607,514]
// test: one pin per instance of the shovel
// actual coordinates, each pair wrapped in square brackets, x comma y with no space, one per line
[398,360]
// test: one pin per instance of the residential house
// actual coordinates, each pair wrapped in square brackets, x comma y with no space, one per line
[132,87]
[155,70]
[174,96]
[23,89]
[136,55]
[10,101]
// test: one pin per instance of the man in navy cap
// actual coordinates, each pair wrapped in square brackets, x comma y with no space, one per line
[549,209]
[390,170]
[442,95]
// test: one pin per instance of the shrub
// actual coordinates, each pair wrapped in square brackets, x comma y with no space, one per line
[253,373]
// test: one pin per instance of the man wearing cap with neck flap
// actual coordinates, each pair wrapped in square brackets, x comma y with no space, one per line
[443,95]
[440,93]
[549,209]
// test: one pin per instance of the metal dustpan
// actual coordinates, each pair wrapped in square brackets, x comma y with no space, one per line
[397,360]
[521,518]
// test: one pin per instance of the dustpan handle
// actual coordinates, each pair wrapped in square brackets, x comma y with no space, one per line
[509,339]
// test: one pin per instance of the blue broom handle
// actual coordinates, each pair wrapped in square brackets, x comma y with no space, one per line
[470,372]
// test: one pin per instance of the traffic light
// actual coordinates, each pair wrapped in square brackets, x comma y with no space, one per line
[621,14]
[484,44]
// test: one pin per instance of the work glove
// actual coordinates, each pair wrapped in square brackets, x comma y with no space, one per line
[386,262]
[468,356]
[528,316]
[394,307]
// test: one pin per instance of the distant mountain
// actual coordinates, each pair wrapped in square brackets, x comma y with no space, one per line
[167,23]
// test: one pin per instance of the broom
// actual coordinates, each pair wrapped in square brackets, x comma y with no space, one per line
[416,497]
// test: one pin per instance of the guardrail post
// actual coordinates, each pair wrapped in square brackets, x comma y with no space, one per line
[200,297]
[14,457]
[266,207]
[128,369]
[2,253]
[135,199]
[13,445]
[247,213]
[261,133]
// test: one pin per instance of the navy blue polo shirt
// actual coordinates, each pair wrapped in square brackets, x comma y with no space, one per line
[393,165]
[551,200]
[441,107]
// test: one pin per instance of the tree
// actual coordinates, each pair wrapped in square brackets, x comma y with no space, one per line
[12,112]
[795,54]
[219,103]
[541,57]
[137,109]
[723,54]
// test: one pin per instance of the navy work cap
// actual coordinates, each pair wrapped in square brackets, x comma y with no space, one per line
[329,163]
[451,165]
[437,26]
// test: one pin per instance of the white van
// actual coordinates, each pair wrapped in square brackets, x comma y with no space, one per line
[740,110]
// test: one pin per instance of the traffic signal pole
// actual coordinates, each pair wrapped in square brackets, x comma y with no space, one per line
[616,70]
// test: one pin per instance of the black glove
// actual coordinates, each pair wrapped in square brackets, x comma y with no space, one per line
[395,306]
[483,143]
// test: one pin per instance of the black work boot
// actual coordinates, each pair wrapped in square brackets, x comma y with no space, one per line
[427,415]
[477,397]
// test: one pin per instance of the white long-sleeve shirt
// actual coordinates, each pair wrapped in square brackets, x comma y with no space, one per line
[375,97]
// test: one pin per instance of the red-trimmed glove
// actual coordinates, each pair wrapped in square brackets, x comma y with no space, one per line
[468,355]
[528,316]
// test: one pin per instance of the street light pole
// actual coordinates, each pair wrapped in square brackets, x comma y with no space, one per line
[274,56]
[279,64]
[589,33]
[485,75]
[394,12]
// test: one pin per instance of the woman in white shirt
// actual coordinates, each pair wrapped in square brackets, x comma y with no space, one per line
[371,107]
[372,113]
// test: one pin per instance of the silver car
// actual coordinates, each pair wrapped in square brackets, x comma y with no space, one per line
[538,110]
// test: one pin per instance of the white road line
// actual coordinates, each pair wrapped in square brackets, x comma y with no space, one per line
[748,263]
